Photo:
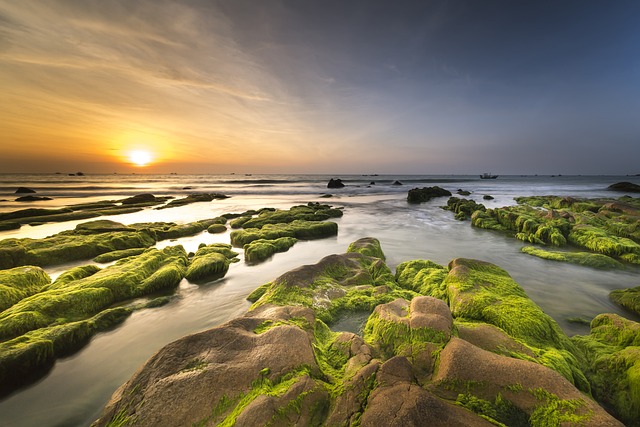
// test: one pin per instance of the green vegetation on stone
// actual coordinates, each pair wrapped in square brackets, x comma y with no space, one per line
[612,364]
[60,319]
[116,255]
[581,258]
[463,208]
[261,249]
[299,229]
[210,262]
[19,283]
[628,298]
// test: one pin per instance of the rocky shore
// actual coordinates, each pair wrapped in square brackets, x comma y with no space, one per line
[443,345]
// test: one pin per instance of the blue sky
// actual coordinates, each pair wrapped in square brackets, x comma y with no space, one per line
[321,86]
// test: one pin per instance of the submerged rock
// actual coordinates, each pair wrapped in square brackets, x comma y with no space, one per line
[335,183]
[500,360]
[32,198]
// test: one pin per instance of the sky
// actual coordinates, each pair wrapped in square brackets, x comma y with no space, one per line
[327,86]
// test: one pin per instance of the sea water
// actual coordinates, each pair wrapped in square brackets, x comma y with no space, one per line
[75,390]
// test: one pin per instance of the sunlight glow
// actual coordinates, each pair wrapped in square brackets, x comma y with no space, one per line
[140,157]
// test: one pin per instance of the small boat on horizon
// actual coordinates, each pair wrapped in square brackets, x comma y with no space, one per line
[488,176]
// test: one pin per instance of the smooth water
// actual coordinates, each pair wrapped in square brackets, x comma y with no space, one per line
[76,389]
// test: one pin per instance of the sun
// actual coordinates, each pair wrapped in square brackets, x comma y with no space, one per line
[140,157]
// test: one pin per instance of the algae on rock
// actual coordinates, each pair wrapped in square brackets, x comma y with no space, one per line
[62,316]
[612,364]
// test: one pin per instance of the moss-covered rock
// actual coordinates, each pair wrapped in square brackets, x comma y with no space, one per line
[193,198]
[588,259]
[216,228]
[607,227]
[337,284]
[59,319]
[210,262]
[300,229]
[19,283]
[116,255]
[628,298]
[463,208]
[261,249]
[85,242]
[612,364]
[280,364]
[422,195]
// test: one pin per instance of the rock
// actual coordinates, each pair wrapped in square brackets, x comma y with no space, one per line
[187,379]
[526,385]
[335,183]
[22,190]
[421,195]
[372,183]
[397,183]
[628,187]
[502,361]
[139,198]
[487,197]
[32,198]
[612,361]
[463,192]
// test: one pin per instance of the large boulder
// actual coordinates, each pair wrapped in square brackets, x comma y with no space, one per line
[203,378]
[23,190]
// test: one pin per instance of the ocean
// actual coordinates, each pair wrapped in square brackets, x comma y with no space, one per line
[75,390]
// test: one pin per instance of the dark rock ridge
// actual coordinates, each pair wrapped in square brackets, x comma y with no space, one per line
[32,198]
[459,345]
[22,190]
[335,183]
[421,195]
[625,186]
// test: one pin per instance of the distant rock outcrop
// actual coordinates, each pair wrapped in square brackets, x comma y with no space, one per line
[628,187]
[335,183]
[421,195]
[24,190]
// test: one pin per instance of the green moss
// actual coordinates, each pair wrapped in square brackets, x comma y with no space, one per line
[216,228]
[368,246]
[257,293]
[484,292]
[553,411]
[628,298]
[116,255]
[19,283]
[210,262]
[226,412]
[261,249]
[309,212]
[463,208]
[300,322]
[581,258]
[398,338]
[85,242]
[424,277]
[601,241]
[300,229]
[61,318]
[500,411]
[29,354]
[612,364]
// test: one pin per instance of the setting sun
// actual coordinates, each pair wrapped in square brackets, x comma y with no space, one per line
[140,158]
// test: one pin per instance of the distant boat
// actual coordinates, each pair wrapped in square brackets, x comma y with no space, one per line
[488,176]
